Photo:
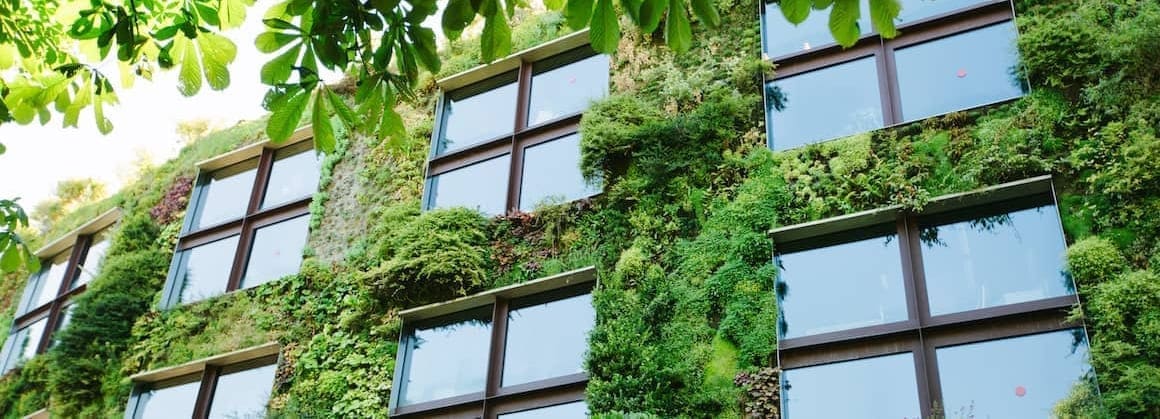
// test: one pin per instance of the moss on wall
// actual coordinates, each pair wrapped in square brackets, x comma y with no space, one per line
[678,237]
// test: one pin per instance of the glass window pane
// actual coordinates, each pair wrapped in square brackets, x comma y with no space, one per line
[481,186]
[32,335]
[958,72]
[552,174]
[447,361]
[993,261]
[31,289]
[470,117]
[93,259]
[168,402]
[277,251]
[1020,377]
[568,89]
[62,322]
[577,410]
[292,178]
[226,194]
[824,104]
[50,283]
[817,295]
[547,340]
[882,387]
[243,394]
[207,269]
[913,10]
[783,38]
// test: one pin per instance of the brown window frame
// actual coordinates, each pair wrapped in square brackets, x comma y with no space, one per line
[76,244]
[254,218]
[513,144]
[207,372]
[873,45]
[922,334]
[495,399]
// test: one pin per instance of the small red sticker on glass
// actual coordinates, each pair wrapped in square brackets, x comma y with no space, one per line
[961,73]
[1020,391]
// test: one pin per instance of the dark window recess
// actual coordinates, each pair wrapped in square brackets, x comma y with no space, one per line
[516,358]
[217,392]
[950,55]
[46,305]
[497,139]
[963,312]
[247,225]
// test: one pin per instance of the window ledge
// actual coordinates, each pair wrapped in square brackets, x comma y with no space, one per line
[254,150]
[64,242]
[196,366]
[982,196]
[535,286]
[512,62]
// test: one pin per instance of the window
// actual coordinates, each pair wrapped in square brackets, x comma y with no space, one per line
[68,264]
[247,221]
[234,385]
[959,311]
[511,141]
[514,352]
[950,55]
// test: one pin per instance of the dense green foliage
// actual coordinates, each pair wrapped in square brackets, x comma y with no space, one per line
[686,314]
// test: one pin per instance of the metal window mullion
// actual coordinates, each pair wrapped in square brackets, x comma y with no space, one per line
[205,392]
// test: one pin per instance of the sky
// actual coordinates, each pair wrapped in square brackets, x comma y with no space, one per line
[145,123]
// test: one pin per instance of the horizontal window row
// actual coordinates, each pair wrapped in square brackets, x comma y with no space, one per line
[524,352]
[247,224]
[949,64]
[239,390]
[511,142]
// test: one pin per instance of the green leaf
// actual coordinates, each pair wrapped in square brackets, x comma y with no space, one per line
[10,261]
[706,12]
[280,24]
[391,126]
[882,14]
[844,22]
[269,42]
[7,56]
[425,47]
[457,15]
[795,11]
[189,77]
[386,7]
[278,70]
[320,124]
[217,52]
[344,112]
[605,31]
[556,5]
[3,148]
[103,124]
[651,12]
[578,13]
[822,4]
[233,12]
[286,115]
[632,9]
[496,39]
[31,262]
[678,31]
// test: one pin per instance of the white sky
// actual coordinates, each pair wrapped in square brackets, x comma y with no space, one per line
[144,121]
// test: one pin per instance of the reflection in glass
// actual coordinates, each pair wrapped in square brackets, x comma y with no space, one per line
[49,286]
[169,402]
[62,322]
[994,261]
[552,174]
[1020,377]
[276,252]
[958,72]
[226,194]
[841,287]
[882,387]
[470,118]
[292,178]
[446,361]
[824,104]
[243,394]
[207,269]
[93,259]
[568,89]
[547,340]
[913,10]
[577,410]
[32,335]
[782,37]
[481,186]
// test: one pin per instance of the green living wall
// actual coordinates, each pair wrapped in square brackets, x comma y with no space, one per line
[685,312]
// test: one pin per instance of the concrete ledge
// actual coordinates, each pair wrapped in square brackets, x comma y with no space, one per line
[192,367]
[535,286]
[254,150]
[66,241]
[512,62]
